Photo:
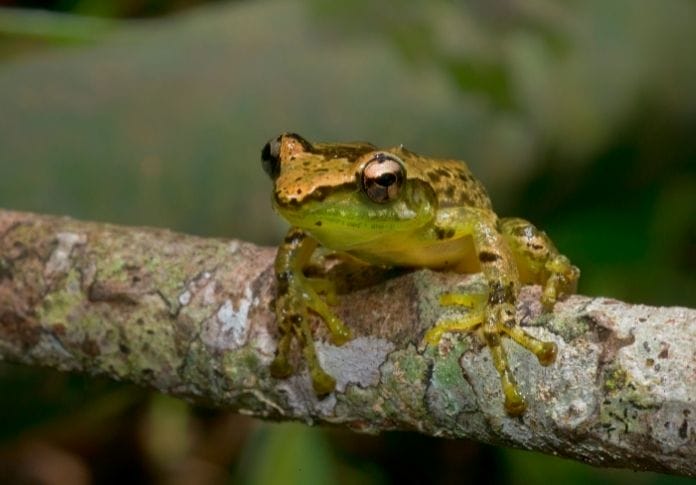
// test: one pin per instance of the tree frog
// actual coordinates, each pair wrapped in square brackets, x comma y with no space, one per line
[393,207]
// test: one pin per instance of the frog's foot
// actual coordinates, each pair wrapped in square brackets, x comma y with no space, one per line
[495,321]
[562,281]
[292,311]
[474,302]
[324,287]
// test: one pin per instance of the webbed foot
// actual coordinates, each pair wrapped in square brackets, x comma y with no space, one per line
[494,321]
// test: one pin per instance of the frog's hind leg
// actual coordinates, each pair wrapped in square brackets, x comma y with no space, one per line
[538,261]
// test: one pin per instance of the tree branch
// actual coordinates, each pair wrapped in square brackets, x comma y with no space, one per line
[190,317]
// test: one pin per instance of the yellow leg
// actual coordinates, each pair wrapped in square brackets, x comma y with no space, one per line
[514,402]
[544,351]
[280,367]
[340,334]
[322,382]
[297,295]
[325,287]
[461,325]
[471,300]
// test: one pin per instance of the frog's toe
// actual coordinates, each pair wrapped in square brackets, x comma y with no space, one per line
[281,368]
[515,404]
[340,334]
[563,281]
[325,287]
[463,324]
[547,353]
[470,300]
[322,382]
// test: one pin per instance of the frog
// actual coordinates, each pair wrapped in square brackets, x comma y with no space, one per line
[395,208]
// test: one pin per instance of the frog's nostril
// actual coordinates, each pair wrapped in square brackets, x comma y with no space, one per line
[270,158]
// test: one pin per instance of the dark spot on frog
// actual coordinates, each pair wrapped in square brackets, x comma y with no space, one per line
[124,349]
[488,257]
[443,172]
[443,233]
[434,177]
[649,362]
[299,191]
[466,199]
[282,281]
[524,231]
[350,152]
[318,223]
[500,293]
[465,177]
[449,192]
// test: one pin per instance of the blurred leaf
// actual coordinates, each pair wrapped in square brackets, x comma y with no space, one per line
[52,26]
[485,78]
[535,468]
[287,454]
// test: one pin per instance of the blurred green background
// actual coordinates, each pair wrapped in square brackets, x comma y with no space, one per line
[579,116]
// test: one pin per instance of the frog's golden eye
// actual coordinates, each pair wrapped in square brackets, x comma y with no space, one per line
[381,177]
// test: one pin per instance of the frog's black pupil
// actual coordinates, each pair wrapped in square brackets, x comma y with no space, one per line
[386,179]
[270,158]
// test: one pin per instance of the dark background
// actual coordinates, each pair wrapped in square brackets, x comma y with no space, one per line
[579,116]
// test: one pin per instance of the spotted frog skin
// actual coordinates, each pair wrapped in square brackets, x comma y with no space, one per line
[392,207]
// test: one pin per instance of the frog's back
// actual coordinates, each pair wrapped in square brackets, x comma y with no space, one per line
[452,181]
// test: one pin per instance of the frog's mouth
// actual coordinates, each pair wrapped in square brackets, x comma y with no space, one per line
[348,219]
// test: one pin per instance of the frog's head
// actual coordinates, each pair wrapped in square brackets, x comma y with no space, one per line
[345,194]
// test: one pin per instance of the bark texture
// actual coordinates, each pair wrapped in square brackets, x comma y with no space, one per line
[191,317]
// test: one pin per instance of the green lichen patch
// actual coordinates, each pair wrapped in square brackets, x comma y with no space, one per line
[615,379]
[404,381]
[449,394]
[243,368]
[627,406]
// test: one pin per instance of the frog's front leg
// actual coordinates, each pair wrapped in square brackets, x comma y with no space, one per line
[496,317]
[296,296]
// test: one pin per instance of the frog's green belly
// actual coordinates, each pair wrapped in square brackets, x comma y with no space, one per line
[455,254]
